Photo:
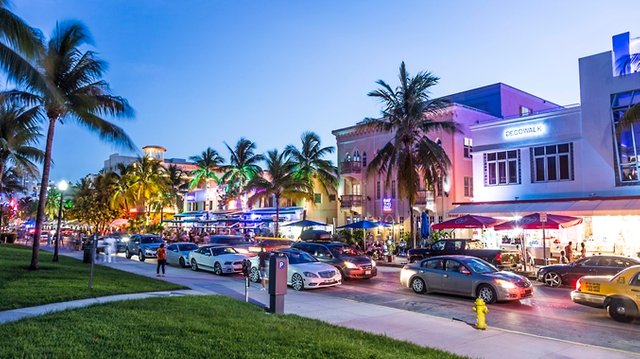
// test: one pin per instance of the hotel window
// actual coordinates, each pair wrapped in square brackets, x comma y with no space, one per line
[356,156]
[552,163]
[468,147]
[364,159]
[525,111]
[626,140]
[378,190]
[347,157]
[393,189]
[502,168]
[468,186]
[317,198]
[355,189]
[332,198]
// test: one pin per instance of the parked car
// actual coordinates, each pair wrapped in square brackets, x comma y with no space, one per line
[218,259]
[143,245]
[567,274]
[503,259]
[242,246]
[617,294]
[121,240]
[315,235]
[467,276]
[177,253]
[303,272]
[351,263]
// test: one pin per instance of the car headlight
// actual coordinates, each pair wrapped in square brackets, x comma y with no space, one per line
[124,239]
[373,263]
[149,250]
[350,265]
[310,275]
[505,284]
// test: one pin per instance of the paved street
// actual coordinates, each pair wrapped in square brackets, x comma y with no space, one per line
[550,313]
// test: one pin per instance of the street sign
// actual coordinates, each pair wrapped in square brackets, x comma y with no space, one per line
[543,217]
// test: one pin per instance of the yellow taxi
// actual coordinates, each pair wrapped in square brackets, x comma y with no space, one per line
[619,294]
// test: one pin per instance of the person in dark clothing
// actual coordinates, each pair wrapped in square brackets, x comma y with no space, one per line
[162,259]
[262,266]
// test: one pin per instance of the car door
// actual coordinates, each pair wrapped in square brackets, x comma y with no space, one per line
[172,254]
[203,257]
[432,270]
[454,281]
[580,268]
[633,290]
[610,265]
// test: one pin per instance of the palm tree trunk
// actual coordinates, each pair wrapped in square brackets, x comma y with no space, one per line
[1,193]
[413,234]
[46,167]
[276,234]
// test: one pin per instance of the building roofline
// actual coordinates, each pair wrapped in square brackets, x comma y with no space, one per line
[549,200]
[501,84]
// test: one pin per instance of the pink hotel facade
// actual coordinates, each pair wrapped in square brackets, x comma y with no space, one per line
[518,154]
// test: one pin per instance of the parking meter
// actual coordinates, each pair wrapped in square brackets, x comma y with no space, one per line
[246,267]
[278,264]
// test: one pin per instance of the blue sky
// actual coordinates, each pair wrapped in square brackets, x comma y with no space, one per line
[200,72]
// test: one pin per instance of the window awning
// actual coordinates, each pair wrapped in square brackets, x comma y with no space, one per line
[592,206]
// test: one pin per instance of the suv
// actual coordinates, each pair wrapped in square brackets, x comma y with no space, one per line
[352,263]
[143,245]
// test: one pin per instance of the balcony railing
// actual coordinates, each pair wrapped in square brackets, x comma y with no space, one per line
[351,200]
[424,196]
[347,167]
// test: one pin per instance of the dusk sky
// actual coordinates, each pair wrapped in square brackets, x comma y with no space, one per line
[200,72]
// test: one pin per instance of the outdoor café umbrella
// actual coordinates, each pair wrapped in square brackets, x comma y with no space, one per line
[364,225]
[468,221]
[305,223]
[424,225]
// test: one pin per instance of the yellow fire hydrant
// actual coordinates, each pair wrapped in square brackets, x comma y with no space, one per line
[481,309]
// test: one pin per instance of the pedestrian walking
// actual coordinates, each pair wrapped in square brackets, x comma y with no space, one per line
[583,250]
[563,258]
[262,266]
[568,250]
[162,260]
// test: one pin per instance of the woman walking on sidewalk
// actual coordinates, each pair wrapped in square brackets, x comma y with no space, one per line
[162,260]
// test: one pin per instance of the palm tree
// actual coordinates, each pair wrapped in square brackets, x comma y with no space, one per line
[177,186]
[80,96]
[19,133]
[147,181]
[409,113]
[280,181]
[243,166]
[310,164]
[20,44]
[208,162]
[121,195]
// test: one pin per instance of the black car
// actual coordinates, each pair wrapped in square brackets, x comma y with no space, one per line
[567,274]
[352,263]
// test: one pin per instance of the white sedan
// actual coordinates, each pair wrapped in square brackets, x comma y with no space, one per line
[218,259]
[178,253]
[303,272]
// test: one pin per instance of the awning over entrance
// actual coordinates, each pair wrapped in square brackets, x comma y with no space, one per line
[592,206]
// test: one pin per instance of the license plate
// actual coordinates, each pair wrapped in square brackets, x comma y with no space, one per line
[367,272]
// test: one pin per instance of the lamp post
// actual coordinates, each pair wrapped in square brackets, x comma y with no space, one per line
[62,186]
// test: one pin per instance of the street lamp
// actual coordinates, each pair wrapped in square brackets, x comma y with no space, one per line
[62,186]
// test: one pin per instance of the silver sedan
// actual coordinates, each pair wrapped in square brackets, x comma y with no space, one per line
[467,276]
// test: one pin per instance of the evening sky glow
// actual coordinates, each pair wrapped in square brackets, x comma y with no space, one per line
[200,72]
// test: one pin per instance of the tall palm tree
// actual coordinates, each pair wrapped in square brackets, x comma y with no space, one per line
[121,196]
[310,163]
[208,162]
[244,165]
[80,96]
[147,181]
[177,186]
[19,134]
[279,181]
[409,112]
[20,44]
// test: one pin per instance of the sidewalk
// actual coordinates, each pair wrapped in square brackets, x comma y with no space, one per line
[422,329]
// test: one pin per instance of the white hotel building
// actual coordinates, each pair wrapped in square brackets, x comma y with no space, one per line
[569,160]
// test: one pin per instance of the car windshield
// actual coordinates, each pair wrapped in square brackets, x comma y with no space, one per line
[150,240]
[299,257]
[344,250]
[480,266]
[188,247]
[223,250]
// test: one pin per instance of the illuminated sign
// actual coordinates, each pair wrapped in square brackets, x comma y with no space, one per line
[525,131]
[191,197]
[386,205]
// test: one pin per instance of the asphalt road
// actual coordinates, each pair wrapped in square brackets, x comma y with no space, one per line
[549,313]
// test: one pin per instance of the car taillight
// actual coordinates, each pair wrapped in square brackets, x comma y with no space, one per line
[578,285]
[499,258]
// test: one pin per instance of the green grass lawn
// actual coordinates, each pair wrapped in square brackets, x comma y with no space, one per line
[58,282]
[192,327]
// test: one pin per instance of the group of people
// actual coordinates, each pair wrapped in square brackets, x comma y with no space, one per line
[566,256]
[201,236]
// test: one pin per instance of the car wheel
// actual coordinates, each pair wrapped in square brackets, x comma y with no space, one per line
[254,275]
[217,269]
[487,293]
[194,265]
[128,254]
[141,256]
[552,279]
[182,263]
[418,286]
[344,277]
[297,282]
[619,312]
